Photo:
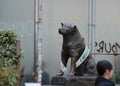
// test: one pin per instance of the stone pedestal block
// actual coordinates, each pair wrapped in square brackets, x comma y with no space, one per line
[73,81]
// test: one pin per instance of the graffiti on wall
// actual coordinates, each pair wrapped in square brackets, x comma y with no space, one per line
[104,47]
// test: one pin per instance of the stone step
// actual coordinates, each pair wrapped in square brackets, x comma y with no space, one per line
[73,81]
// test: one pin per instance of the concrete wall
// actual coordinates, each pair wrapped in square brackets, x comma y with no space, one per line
[76,11]
[55,12]
[18,15]
[108,29]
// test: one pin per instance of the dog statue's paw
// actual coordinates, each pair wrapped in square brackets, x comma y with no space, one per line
[71,74]
[60,74]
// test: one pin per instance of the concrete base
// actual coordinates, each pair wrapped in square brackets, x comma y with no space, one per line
[73,81]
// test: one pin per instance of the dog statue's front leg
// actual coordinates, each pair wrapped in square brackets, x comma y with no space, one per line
[63,63]
[73,66]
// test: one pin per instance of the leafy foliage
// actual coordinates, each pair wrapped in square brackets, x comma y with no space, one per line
[9,64]
[117,79]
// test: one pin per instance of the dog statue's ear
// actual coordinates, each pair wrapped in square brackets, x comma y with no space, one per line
[62,24]
[74,26]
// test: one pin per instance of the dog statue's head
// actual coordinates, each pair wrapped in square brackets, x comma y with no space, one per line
[67,28]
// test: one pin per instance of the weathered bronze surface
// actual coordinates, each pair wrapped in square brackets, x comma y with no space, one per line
[73,46]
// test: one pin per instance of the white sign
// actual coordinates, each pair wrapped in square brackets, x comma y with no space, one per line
[83,57]
[32,84]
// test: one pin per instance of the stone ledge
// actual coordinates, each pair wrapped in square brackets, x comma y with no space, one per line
[73,81]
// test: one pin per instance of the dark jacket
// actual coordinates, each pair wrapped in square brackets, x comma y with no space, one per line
[104,82]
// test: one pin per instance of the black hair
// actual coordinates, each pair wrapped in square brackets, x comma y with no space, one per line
[101,68]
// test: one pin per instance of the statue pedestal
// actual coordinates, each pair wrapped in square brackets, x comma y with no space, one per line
[73,81]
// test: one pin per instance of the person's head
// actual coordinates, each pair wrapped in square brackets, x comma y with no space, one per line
[104,68]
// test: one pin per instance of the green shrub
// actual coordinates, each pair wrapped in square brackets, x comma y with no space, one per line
[117,79]
[9,63]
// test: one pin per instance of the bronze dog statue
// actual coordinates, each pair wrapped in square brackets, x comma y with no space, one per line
[73,47]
